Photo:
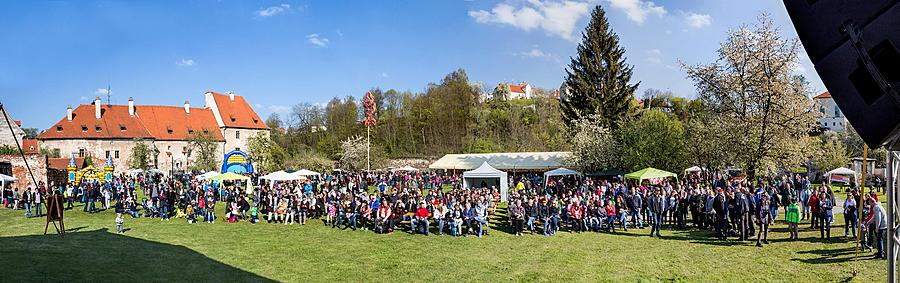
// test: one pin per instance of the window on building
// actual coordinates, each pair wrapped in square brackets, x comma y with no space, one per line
[837,112]
[80,152]
[117,154]
[97,128]
[237,134]
[169,131]
[107,154]
[59,128]
[122,128]
[83,128]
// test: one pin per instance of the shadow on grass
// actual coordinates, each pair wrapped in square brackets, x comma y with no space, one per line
[99,255]
[828,256]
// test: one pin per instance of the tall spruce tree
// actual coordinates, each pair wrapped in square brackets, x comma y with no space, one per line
[598,77]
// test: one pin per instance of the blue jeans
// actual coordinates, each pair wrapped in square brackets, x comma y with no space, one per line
[636,219]
[657,220]
[37,209]
[440,226]
[352,220]
[164,212]
[415,221]
[210,215]
[531,223]
[27,210]
[879,241]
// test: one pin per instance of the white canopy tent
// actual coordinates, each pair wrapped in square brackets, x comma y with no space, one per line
[207,175]
[307,173]
[134,171]
[282,176]
[693,169]
[841,171]
[6,179]
[406,168]
[490,176]
[526,161]
[559,172]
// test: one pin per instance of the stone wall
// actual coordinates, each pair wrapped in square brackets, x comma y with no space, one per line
[8,138]
[99,148]
[38,166]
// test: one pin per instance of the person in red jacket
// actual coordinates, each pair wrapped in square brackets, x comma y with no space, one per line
[814,207]
[421,217]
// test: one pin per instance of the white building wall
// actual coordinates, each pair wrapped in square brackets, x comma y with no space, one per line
[832,118]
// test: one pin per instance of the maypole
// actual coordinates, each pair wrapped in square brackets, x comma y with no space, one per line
[369,106]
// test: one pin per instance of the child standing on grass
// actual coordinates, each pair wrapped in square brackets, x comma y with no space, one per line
[332,211]
[120,221]
[792,216]
[254,214]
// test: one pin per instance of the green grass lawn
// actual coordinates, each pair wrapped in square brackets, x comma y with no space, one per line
[153,250]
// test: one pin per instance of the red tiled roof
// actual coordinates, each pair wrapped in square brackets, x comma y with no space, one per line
[237,113]
[30,146]
[172,123]
[823,95]
[85,126]
[149,122]
[517,88]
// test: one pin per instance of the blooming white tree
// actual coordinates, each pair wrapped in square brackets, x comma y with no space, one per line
[765,110]
[594,147]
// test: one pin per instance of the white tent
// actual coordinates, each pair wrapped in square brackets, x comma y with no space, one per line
[134,171]
[282,176]
[6,179]
[305,172]
[841,171]
[529,161]
[406,168]
[490,176]
[693,169]
[559,172]
[207,175]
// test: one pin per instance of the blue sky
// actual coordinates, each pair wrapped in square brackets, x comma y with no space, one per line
[279,53]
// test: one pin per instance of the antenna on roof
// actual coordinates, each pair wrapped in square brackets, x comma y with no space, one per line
[108,95]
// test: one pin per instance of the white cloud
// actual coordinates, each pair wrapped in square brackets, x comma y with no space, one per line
[339,33]
[187,62]
[670,67]
[316,40]
[554,18]
[534,53]
[384,75]
[695,20]
[101,91]
[83,98]
[274,10]
[637,10]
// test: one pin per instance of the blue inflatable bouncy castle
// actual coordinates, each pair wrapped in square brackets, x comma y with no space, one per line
[237,161]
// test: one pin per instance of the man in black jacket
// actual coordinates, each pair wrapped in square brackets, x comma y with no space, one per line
[657,205]
[740,207]
[720,205]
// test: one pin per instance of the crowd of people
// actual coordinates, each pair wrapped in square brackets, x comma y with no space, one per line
[425,203]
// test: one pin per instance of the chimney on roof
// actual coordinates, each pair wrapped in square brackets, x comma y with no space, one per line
[187,107]
[69,113]
[131,106]
[97,107]
[231,95]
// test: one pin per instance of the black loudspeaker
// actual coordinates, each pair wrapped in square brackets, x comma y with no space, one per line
[855,47]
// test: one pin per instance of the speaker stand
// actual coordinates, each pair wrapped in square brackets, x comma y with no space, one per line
[893,214]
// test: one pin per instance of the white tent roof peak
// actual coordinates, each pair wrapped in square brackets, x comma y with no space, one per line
[841,171]
[484,169]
